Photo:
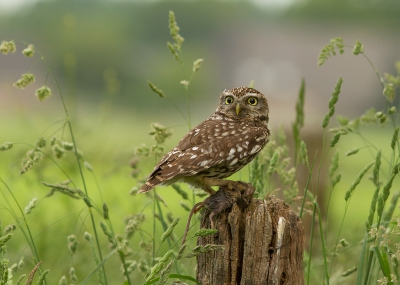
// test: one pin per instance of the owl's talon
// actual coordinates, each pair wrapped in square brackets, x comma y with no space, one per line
[194,210]
[210,191]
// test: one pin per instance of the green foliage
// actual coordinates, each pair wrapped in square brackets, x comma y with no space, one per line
[151,252]
[357,181]
[175,48]
[330,49]
[332,103]
[380,263]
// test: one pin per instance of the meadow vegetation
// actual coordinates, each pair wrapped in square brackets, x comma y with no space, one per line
[70,212]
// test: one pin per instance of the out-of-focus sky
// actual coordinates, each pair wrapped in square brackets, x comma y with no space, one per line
[13,5]
[7,6]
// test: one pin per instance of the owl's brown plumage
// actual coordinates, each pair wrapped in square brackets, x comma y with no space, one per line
[218,147]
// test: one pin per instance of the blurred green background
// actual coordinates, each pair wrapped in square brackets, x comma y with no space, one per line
[103,53]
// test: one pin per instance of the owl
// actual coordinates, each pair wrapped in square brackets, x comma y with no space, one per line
[219,146]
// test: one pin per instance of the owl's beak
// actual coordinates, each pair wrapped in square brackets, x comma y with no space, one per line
[237,109]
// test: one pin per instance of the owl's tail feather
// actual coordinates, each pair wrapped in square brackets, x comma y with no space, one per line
[151,183]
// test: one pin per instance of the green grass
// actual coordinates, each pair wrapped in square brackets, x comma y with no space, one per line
[110,160]
[108,137]
[62,215]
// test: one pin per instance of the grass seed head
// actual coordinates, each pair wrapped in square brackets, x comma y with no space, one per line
[25,80]
[29,51]
[7,47]
[197,63]
[63,281]
[31,206]
[6,146]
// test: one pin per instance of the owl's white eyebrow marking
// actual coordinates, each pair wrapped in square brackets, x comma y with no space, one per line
[226,92]
[251,94]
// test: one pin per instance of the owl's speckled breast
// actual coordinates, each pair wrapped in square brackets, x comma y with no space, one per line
[243,141]
[219,146]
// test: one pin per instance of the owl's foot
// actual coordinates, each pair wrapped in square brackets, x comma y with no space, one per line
[228,194]
[209,190]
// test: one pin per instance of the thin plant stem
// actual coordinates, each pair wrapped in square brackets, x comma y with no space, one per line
[79,166]
[306,188]
[28,236]
[338,235]
[165,226]
[154,227]
[120,253]
[179,111]
[327,276]
[375,70]
[311,242]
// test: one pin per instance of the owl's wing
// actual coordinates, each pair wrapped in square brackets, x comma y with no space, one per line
[211,143]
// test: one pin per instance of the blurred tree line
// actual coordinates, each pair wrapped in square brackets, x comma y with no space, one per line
[111,48]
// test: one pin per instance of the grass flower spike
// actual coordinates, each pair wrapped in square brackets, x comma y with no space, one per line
[43,93]
[29,51]
[25,80]
[7,47]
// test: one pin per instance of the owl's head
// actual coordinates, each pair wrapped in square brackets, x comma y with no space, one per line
[243,103]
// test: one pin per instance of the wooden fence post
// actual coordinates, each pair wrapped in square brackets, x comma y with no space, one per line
[264,243]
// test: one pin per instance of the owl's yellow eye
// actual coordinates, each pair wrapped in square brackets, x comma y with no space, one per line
[252,101]
[228,100]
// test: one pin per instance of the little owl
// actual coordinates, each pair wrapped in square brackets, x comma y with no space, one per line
[218,147]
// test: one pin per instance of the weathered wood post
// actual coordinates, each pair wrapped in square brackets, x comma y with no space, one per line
[263,240]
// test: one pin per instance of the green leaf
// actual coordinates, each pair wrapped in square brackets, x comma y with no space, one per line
[383,261]
[358,180]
